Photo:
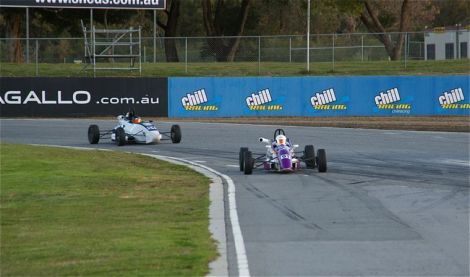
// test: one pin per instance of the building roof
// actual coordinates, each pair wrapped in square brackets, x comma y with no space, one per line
[446,29]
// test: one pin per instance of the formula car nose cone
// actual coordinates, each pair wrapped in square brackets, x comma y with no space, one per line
[153,137]
[285,160]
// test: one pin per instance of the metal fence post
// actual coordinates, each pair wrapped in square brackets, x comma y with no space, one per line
[290,49]
[333,54]
[362,48]
[94,49]
[140,51]
[308,36]
[406,47]
[154,36]
[27,35]
[259,55]
[186,54]
[37,58]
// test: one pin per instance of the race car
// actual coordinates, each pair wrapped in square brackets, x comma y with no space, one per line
[281,156]
[131,129]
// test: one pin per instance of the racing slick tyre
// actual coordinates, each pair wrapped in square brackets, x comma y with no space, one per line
[120,136]
[175,134]
[247,163]
[93,134]
[309,156]
[241,155]
[321,160]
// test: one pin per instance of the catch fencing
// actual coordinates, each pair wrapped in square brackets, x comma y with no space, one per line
[196,51]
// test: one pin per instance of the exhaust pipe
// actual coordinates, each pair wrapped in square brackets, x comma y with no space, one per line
[264,140]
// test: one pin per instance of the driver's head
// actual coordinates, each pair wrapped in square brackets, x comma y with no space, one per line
[281,139]
[137,120]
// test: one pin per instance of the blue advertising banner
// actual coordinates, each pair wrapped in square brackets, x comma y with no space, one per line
[318,96]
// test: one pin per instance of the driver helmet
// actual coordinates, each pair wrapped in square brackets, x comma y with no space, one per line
[136,120]
[281,139]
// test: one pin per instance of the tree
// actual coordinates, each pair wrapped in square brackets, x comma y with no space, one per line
[12,27]
[228,19]
[452,12]
[170,28]
[382,16]
[371,20]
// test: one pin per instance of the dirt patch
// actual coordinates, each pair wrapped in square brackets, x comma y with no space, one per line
[413,123]
[429,123]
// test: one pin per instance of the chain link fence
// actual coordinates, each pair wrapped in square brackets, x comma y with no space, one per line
[257,52]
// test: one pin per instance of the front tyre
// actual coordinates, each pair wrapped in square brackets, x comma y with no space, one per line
[120,136]
[321,160]
[241,156]
[309,156]
[93,134]
[247,163]
[175,134]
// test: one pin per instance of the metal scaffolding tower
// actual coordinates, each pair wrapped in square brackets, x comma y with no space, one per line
[104,47]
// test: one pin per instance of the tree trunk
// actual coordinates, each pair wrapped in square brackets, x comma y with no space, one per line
[171,52]
[223,49]
[16,48]
[371,21]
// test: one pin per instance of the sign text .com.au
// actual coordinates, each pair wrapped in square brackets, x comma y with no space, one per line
[128,100]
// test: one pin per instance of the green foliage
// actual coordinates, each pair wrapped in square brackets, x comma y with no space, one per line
[353,7]
[266,17]
[452,12]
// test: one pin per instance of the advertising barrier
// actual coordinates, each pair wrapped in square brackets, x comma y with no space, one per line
[319,96]
[82,96]
[236,96]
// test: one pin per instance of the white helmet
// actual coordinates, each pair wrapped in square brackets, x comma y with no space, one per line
[281,139]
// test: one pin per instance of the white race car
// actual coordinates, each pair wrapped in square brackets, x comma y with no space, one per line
[131,129]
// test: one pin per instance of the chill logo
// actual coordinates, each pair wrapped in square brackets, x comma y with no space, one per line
[197,101]
[262,101]
[450,100]
[389,100]
[324,100]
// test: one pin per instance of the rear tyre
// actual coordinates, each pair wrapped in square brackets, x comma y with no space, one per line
[93,134]
[247,163]
[120,136]
[241,155]
[309,156]
[175,134]
[321,160]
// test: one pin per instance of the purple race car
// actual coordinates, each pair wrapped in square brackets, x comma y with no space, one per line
[281,156]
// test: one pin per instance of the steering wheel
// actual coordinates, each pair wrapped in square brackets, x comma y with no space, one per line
[279,132]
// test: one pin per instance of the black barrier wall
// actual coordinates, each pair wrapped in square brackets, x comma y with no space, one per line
[75,97]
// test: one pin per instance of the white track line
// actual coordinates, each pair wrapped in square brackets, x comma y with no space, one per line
[242,261]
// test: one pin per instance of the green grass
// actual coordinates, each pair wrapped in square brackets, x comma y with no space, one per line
[69,212]
[249,69]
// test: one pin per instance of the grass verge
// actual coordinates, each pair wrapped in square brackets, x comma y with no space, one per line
[70,212]
[246,69]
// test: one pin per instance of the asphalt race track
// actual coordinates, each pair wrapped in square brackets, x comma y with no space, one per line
[392,203]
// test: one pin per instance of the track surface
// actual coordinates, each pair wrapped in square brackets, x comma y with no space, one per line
[392,202]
